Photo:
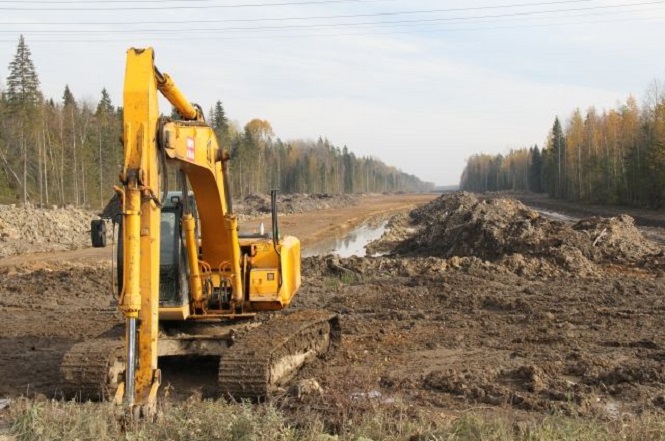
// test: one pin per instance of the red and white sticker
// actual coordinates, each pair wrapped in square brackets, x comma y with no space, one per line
[190,149]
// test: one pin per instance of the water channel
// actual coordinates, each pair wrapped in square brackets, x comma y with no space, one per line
[351,244]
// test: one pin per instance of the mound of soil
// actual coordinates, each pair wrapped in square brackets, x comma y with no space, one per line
[507,231]
[33,230]
[398,229]
[257,204]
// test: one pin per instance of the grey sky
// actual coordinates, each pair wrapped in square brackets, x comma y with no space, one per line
[420,84]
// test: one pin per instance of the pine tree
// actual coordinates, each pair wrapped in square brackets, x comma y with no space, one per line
[536,170]
[559,145]
[23,98]
[105,107]
[106,154]
[70,142]
[220,124]
[68,97]
[22,82]
[554,160]
[219,120]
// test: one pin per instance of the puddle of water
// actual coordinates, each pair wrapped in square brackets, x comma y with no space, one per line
[352,244]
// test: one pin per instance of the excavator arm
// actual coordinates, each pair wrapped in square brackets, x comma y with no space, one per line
[141,180]
[192,146]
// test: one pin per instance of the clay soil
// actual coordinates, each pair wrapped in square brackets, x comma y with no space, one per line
[479,305]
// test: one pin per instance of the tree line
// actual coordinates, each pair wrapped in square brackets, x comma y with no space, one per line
[68,151]
[616,156]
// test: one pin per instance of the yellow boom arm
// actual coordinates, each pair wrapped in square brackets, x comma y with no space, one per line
[141,180]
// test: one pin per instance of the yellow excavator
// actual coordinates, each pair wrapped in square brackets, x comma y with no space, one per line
[189,283]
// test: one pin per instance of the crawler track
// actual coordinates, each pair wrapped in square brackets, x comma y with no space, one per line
[272,353]
[90,370]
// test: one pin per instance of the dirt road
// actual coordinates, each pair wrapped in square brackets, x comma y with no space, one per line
[643,217]
[309,227]
[314,226]
[650,222]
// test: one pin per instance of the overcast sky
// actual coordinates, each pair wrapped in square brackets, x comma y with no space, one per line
[422,85]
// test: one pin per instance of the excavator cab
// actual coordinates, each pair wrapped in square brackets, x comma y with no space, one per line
[173,272]
[173,268]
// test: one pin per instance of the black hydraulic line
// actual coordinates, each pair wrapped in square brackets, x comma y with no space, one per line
[275,231]
[185,191]
[227,186]
[273,210]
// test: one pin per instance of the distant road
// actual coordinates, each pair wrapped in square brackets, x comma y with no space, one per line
[310,227]
[643,217]
[650,222]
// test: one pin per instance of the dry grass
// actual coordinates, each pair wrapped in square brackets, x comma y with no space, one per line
[218,420]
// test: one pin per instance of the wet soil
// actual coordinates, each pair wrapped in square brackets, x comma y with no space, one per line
[485,302]
[514,328]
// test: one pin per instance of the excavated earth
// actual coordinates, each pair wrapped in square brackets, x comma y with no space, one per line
[478,304]
[24,229]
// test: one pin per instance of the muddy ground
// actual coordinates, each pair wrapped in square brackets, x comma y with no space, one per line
[478,305]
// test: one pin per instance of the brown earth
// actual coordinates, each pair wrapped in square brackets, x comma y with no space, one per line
[473,309]
[644,217]
[312,227]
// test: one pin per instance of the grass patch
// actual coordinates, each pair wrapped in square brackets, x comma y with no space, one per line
[218,420]
[344,278]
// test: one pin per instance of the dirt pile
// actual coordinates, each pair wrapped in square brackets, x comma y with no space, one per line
[398,229]
[508,232]
[257,204]
[32,230]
